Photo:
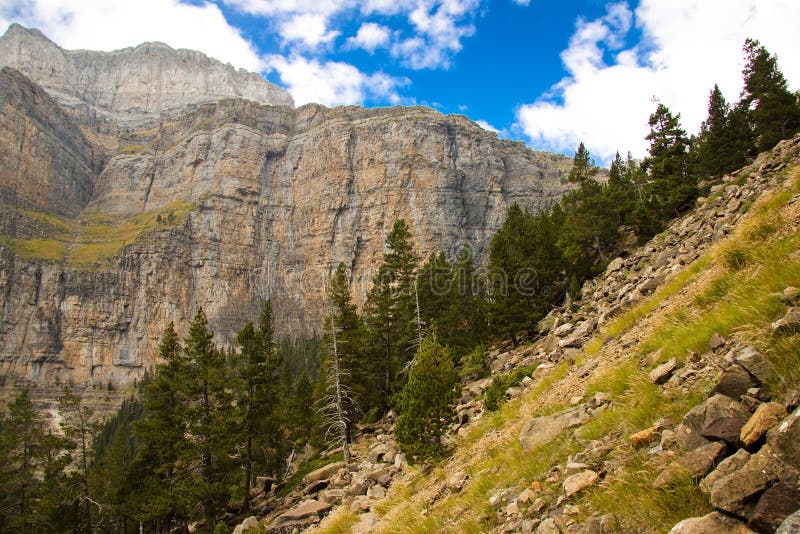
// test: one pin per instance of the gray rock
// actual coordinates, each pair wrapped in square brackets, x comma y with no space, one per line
[694,463]
[774,506]
[248,525]
[305,510]
[716,342]
[540,430]
[688,434]
[736,493]
[734,382]
[579,482]
[726,429]
[726,467]
[791,525]
[615,265]
[324,472]
[757,365]
[713,523]
[784,440]
[661,374]
[789,322]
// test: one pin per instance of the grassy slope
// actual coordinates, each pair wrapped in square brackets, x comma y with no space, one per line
[729,290]
[93,239]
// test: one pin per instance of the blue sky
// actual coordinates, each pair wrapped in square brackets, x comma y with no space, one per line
[548,72]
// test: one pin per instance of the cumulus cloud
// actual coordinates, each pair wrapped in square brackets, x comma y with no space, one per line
[332,83]
[310,29]
[115,24]
[687,46]
[486,126]
[370,36]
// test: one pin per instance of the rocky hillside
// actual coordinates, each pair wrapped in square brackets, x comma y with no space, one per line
[667,399]
[112,228]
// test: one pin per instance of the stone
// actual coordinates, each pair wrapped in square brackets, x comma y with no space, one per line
[766,416]
[735,382]
[661,374]
[324,472]
[248,525]
[512,508]
[791,525]
[376,492]
[564,329]
[789,322]
[305,510]
[790,295]
[774,506]
[726,429]
[614,265]
[727,466]
[527,496]
[579,481]
[694,463]
[548,526]
[575,467]
[713,523]
[688,434]
[643,437]
[784,440]
[540,430]
[379,452]
[456,481]
[736,493]
[716,342]
[757,365]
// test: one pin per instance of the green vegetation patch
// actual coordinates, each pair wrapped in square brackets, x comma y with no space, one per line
[50,250]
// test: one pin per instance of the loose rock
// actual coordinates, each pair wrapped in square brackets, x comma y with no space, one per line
[580,481]
[766,416]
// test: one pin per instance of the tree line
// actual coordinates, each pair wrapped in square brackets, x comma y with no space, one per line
[188,445]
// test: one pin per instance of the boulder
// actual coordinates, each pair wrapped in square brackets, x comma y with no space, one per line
[661,374]
[713,523]
[456,481]
[789,322]
[725,429]
[548,526]
[248,525]
[689,433]
[324,472]
[694,463]
[757,365]
[380,452]
[774,506]
[791,525]
[784,440]
[305,510]
[615,265]
[580,481]
[726,467]
[540,430]
[564,329]
[575,467]
[734,382]
[376,492]
[716,342]
[738,492]
[766,416]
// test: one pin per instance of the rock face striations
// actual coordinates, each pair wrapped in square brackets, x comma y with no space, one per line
[220,204]
[133,83]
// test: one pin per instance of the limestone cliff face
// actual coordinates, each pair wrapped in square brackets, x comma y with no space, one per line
[45,161]
[227,204]
[132,83]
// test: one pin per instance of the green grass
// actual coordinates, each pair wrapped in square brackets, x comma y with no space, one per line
[49,250]
[339,522]
[131,149]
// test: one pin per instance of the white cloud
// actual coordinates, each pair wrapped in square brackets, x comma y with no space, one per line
[308,28]
[332,83]
[370,36]
[687,46]
[434,34]
[486,126]
[523,3]
[115,24]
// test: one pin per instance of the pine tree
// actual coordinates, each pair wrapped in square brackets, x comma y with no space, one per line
[426,406]
[211,423]
[337,404]
[583,166]
[79,426]
[725,140]
[21,437]
[774,111]
[671,187]
[389,312]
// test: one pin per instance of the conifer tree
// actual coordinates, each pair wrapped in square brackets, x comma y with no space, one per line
[337,404]
[774,111]
[389,312]
[257,369]
[583,166]
[672,188]
[426,405]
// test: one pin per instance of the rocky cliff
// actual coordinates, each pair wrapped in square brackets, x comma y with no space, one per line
[225,204]
[132,84]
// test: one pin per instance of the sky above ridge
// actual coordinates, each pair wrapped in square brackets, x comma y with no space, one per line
[551,73]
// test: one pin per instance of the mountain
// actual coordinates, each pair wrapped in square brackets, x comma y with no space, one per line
[140,184]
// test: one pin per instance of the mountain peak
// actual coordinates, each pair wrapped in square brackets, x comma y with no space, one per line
[131,84]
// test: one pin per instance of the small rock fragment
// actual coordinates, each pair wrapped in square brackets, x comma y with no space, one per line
[580,481]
